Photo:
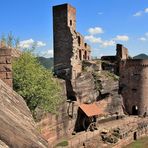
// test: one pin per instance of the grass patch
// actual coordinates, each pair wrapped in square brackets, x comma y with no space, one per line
[141,143]
[62,143]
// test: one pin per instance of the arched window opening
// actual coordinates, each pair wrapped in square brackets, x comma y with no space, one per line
[70,22]
[85,45]
[85,55]
[80,54]
[79,40]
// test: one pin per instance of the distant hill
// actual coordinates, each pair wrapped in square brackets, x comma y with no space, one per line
[46,62]
[141,56]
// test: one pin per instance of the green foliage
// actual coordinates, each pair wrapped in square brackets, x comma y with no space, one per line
[46,62]
[35,83]
[3,39]
[141,143]
[62,144]
[110,75]
[10,40]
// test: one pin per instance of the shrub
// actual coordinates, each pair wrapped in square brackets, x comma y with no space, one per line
[35,83]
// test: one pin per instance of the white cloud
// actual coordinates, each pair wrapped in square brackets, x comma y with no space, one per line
[146,10]
[103,43]
[26,43]
[139,13]
[108,43]
[146,34]
[145,37]
[50,53]
[142,39]
[30,42]
[93,39]
[95,30]
[40,44]
[47,54]
[100,13]
[121,38]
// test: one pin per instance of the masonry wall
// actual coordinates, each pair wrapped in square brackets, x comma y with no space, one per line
[5,65]
[69,46]
[122,52]
[134,85]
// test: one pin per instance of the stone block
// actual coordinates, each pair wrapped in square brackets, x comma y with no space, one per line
[2,60]
[8,60]
[5,52]
[2,75]
[8,82]
[9,75]
[5,67]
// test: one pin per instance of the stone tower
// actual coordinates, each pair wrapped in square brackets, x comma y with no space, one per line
[121,52]
[133,85]
[69,46]
[5,65]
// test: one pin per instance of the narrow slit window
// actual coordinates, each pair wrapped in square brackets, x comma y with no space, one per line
[70,22]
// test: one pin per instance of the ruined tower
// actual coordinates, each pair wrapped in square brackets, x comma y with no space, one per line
[134,85]
[69,46]
[5,65]
[121,52]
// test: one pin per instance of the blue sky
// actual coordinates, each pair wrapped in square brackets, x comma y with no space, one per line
[103,23]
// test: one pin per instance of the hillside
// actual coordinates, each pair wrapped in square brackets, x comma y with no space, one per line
[141,56]
[46,62]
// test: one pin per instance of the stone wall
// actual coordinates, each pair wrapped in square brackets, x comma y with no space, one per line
[121,52]
[5,65]
[69,46]
[134,86]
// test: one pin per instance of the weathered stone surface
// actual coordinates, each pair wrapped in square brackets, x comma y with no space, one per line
[134,85]
[84,87]
[16,53]
[3,145]
[69,46]
[17,128]
[5,65]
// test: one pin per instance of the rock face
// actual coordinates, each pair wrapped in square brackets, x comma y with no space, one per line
[85,88]
[17,128]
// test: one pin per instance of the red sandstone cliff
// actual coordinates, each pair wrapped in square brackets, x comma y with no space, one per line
[17,128]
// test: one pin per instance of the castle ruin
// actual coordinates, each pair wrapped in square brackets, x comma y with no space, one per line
[133,85]
[69,46]
[133,82]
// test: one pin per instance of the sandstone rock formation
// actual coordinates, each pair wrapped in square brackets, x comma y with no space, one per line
[17,128]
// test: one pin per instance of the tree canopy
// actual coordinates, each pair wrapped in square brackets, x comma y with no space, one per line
[35,83]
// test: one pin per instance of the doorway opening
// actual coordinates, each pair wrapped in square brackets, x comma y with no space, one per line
[135,135]
[135,110]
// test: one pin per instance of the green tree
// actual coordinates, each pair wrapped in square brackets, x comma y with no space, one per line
[3,40]
[36,84]
[10,39]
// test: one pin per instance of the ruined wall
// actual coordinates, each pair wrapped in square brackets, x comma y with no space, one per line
[62,40]
[134,85]
[69,46]
[5,65]
[121,52]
